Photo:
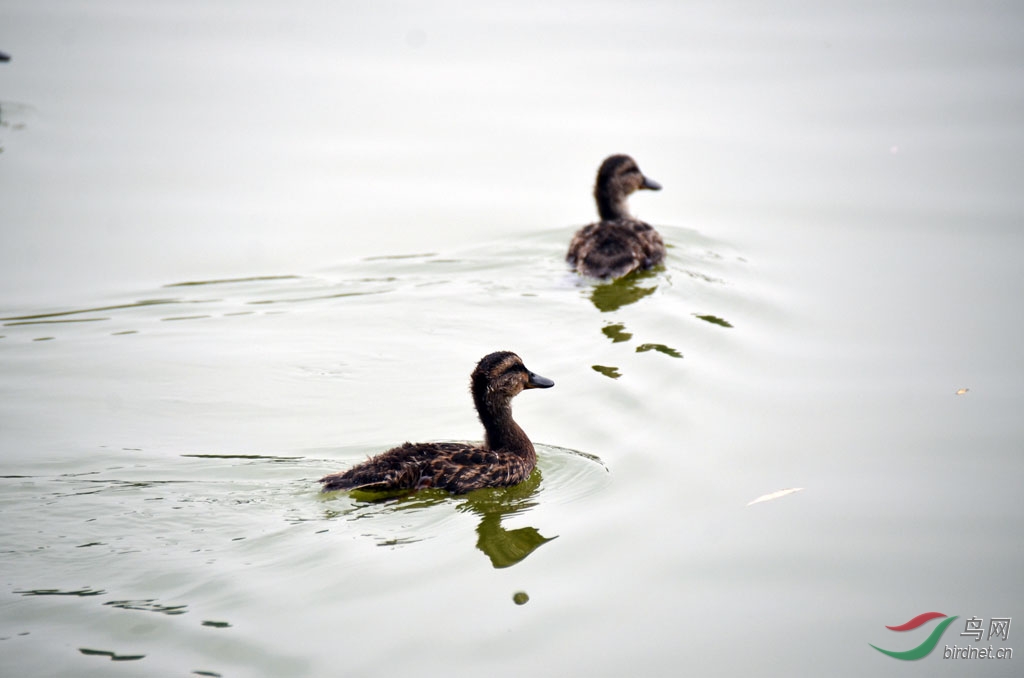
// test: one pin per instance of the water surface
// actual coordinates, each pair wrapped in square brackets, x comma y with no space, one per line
[245,246]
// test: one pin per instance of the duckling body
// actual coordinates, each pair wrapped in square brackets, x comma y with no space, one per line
[618,244]
[506,457]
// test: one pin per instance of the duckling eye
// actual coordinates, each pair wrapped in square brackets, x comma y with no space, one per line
[517,370]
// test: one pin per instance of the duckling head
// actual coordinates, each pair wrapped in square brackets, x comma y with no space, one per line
[501,376]
[617,177]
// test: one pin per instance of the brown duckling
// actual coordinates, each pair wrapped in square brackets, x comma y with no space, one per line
[618,244]
[506,456]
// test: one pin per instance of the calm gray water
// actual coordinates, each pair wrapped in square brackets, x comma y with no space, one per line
[247,244]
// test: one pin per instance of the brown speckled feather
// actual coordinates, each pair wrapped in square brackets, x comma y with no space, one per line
[455,467]
[506,457]
[612,249]
[618,244]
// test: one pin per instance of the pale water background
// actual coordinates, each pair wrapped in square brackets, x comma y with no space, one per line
[246,244]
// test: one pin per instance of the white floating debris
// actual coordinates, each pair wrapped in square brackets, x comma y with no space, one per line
[775,495]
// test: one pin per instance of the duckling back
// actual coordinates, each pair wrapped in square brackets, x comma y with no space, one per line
[612,249]
[455,467]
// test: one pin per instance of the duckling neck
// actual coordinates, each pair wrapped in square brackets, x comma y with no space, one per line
[502,432]
[611,205]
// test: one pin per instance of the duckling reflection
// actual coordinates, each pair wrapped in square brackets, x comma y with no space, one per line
[623,292]
[618,244]
[503,547]
[506,457]
[616,332]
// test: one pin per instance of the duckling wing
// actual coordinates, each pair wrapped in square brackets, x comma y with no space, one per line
[465,468]
[577,246]
[651,244]
[411,466]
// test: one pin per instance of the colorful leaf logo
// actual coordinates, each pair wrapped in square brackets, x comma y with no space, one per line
[930,642]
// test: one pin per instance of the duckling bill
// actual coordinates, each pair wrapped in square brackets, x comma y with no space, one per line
[618,244]
[505,458]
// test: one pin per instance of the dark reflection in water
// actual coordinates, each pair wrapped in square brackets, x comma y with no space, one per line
[617,333]
[53,322]
[714,320]
[41,316]
[607,370]
[503,547]
[82,593]
[148,605]
[612,296]
[112,655]
[660,348]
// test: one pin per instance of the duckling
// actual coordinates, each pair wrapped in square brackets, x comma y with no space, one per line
[505,458]
[619,244]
